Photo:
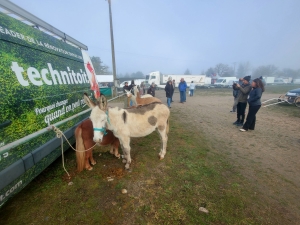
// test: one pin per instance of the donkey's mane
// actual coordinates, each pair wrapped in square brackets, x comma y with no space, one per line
[139,110]
[141,106]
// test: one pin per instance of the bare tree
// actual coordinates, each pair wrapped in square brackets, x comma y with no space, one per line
[187,72]
[287,72]
[210,72]
[243,69]
[222,69]
[99,67]
[265,71]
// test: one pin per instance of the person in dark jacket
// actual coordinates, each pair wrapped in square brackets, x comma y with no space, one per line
[254,104]
[131,86]
[173,83]
[235,93]
[169,92]
[244,90]
[151,90]
[126,100]
[126,87]
[132,91]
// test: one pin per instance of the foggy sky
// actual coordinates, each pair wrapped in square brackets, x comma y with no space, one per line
[173,35]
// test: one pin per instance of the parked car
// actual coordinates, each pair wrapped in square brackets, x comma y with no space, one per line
[292,95]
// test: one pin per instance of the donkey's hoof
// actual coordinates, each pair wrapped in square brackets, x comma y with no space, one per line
[118,156]
[93,163]
[127,166]
[90,168]
[161,157]
[124,160]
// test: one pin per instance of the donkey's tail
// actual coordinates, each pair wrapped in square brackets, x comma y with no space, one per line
[168,125]
[80,153]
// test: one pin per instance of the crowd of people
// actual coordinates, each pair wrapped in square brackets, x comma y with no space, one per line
[244,92]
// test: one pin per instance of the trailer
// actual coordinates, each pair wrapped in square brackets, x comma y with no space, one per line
[43,78]
[160,79]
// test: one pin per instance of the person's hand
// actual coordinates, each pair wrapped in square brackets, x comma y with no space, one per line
[238,85]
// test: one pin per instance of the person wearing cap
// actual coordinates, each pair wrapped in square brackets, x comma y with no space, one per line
[244,91]
[182,89]
[169,91]
[263,80]
[254,104]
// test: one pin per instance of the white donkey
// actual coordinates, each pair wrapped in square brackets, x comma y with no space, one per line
[127,123]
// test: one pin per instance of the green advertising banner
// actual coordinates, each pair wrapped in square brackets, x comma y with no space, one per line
[42,82]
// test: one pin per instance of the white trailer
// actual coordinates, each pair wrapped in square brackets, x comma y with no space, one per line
[161,79]
[269,80]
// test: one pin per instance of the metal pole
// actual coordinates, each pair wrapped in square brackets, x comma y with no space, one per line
[112,47]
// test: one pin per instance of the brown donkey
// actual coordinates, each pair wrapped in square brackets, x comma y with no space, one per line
[139,100]
[84,134]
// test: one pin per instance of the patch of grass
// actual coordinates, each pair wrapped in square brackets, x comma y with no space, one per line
[285,109]
[280,89]
[213,91]
[169,191]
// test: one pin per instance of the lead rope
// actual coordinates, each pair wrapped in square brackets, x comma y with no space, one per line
[60,134]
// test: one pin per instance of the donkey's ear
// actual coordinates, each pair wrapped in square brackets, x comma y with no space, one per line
[102,102]
[128,93]
[88,101]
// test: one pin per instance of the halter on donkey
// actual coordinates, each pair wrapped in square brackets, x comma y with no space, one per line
[84,143]
[127,123]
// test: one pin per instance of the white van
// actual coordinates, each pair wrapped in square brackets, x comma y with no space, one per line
[225,81]
[42,81]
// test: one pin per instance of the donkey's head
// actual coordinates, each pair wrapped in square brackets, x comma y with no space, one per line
[128,93]
[98,116]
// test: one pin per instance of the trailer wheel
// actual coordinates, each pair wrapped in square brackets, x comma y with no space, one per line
[297,101]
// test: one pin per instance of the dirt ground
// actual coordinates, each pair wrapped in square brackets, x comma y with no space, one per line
[269,156]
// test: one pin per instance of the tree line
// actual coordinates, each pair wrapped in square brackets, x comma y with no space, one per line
[102,69]
[245,68]
[221,69]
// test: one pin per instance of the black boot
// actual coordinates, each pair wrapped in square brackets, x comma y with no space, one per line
[236,122]
[240,123]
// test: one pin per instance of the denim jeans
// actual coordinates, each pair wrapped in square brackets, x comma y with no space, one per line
[191,92]
[169,102]
[182,96]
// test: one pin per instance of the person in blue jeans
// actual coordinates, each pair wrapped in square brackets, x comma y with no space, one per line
[192,88]
[169,92]
[182,89]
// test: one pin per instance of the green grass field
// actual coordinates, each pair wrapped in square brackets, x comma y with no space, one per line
[159,192]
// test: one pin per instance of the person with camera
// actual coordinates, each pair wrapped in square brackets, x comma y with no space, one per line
[254,104]
[244,91]
[235,93]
